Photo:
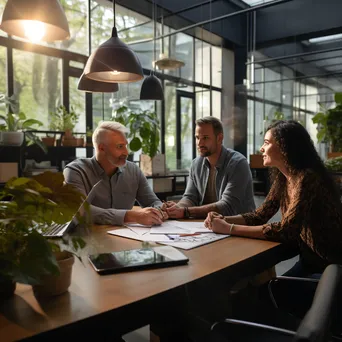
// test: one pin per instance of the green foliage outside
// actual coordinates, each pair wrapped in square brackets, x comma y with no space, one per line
[143,129]
[25,254]
[273,117]
[334,164]
[329,124]
[62,120]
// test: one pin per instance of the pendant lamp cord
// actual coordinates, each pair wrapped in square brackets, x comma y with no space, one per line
[114,12]
[154,17]
[211,60]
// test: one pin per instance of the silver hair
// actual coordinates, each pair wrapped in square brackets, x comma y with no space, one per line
[100,132]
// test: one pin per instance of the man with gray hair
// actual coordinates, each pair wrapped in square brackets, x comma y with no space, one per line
[220,178]
[122,182]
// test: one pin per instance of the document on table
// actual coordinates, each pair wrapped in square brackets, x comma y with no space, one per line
[189,242]
[170,233]
[178,227]
[131,234]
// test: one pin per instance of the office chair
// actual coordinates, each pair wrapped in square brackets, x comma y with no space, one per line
[315,326]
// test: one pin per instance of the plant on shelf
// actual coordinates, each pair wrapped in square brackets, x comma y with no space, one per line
[65,121]
[28,207]
[329,124]
[15,126]
[143,129]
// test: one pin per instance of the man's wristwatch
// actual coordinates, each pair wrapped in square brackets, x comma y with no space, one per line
[186,212]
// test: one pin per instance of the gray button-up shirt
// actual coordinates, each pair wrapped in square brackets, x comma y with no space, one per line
[114,195]
[234,185]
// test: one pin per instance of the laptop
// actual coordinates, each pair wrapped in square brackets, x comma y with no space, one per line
[56,230]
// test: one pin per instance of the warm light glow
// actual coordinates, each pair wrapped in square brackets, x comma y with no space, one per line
[115,72]
[34,30]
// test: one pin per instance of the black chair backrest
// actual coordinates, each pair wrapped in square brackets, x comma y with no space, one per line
[315,326]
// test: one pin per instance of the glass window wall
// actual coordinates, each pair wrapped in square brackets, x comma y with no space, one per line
[38,77]
[37,84]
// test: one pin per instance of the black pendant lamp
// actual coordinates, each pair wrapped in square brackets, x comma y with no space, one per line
[113,61]
[36,20]
[151,88]
[91,86]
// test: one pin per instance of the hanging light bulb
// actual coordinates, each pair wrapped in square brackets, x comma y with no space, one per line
[36,20]
[151,88]
[34,30]
[114,61]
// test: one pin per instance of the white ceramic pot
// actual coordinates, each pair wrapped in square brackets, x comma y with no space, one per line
[11,138]
[55,285]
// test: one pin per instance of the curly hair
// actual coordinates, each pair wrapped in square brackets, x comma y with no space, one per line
[299,154]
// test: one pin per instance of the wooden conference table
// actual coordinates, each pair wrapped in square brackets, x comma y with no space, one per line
[127,301]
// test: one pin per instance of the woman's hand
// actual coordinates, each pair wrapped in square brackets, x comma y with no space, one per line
[220,226]
[211,215]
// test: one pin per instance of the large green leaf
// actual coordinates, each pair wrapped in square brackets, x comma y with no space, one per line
[144,133]
[19,181]
[30,122]
[36,260]
[321,135]
[319,118]
[35,140]
[338,98]
[135,144]
[11,123]
[22,116]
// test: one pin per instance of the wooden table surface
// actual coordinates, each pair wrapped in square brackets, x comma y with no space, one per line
[91,295]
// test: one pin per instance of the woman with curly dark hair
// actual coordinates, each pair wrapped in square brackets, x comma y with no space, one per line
[307,196]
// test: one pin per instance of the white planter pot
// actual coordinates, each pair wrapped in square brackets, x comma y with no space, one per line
[11,138]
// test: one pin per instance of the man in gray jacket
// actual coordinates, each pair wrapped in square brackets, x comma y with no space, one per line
[122,182]
[220,178]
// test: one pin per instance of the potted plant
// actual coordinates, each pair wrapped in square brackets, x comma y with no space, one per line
[28,206]
[15,126]
[143,129]
[65,121]
[143,134]
[50,138]
[329,126]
